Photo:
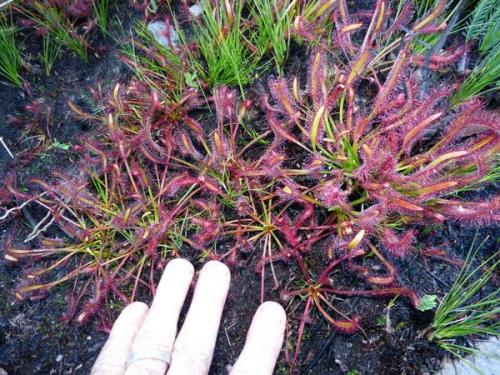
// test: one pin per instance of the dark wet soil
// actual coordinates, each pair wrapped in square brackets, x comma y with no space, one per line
[34,340]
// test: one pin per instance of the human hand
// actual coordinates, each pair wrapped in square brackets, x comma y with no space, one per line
[144,340]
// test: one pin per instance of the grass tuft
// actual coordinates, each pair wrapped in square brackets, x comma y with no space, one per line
[10,58]
[100,9]
[156,65]
[223,46]
[483,79]
[465,311]
[272,24]
[484,26]
[50,53]
[52,20]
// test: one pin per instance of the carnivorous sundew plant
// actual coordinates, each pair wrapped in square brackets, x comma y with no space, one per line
[352,160]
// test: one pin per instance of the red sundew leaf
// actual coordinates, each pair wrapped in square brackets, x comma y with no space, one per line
[357,68]
[448,57]
[155,101]
[433,29]
[194,126]
[280,133]
[317,78]
[402,21]
[438,163]
[405,103]
[242,243]
[211,207]
[381,280]
[371,217]
[151,150]
[314,164]
[470,120]
[191,100]
[289,231]
[226,105]
[342,18]
[478,212]
[72,230]
[272,162]
[209,231]
[331,194]
[430,17]
[72,301]
[414,134]
[158,230]
[284,98]
[396,74]
[291,192]
[243,207]
[26,22]
[89,310]
[442,255]
[410,115]
[315,126]
[209,184]
[286,254]
[186,146]
[304,29]
[432,191]
[307,214]
[201,204]
[140,174]
[75,9]
[36,107]
[342,39]
[398,245]
[380,15]
[177,183]
[322,8]
[220,148]
[346,326]
[323,277]
[11,191]
[405,205]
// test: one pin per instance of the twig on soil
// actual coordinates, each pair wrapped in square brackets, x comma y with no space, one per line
[437,278]
[20,207]
[327,343]
[227,338]
[39,228]
[6,147]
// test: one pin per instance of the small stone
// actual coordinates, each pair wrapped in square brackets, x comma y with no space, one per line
[485,360]
[3,372]
[159,31]
[195,10]
[59,358]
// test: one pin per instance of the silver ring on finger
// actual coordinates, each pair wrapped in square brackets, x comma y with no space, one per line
[160,354]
